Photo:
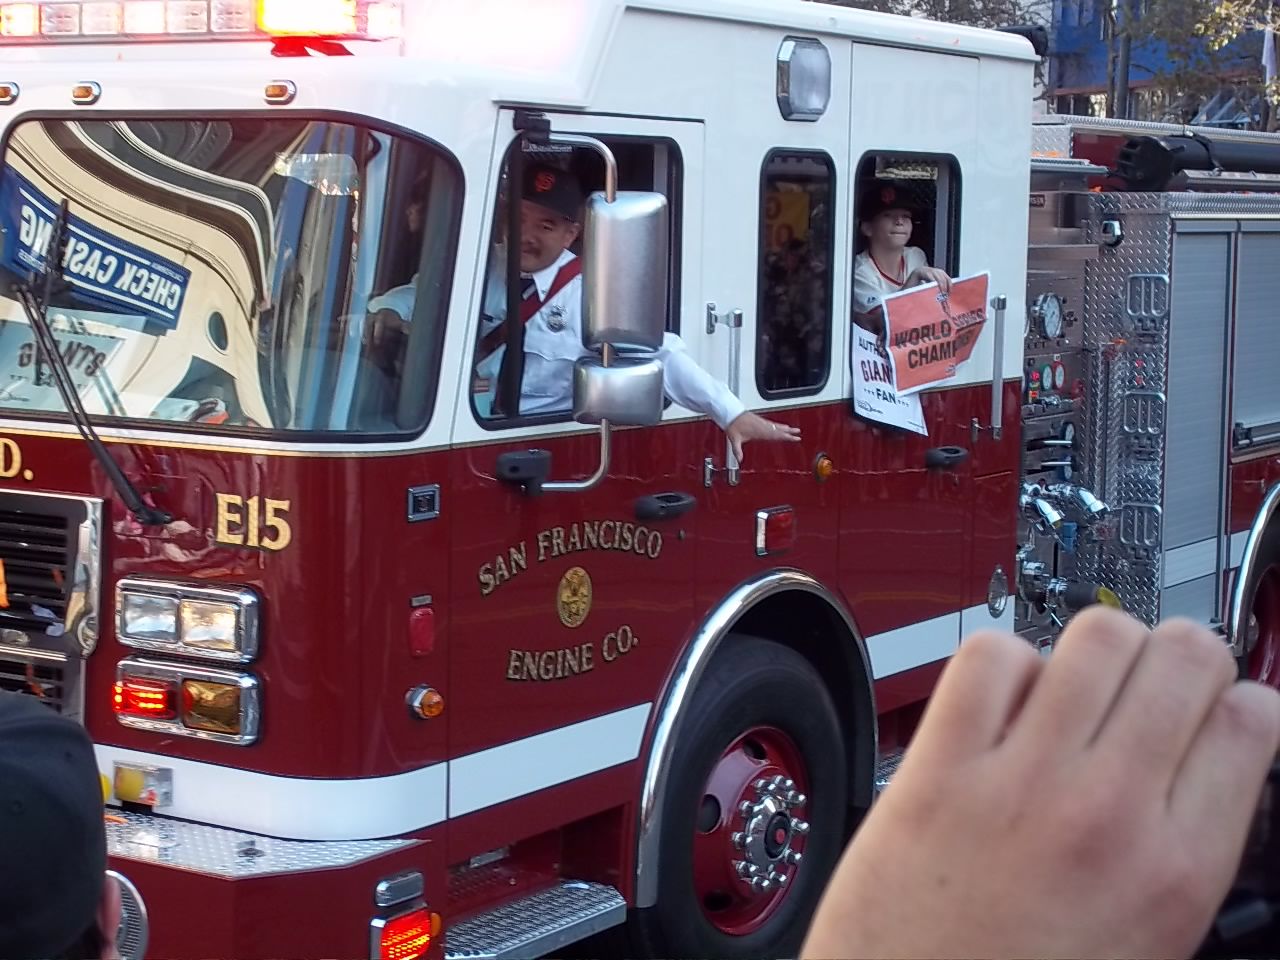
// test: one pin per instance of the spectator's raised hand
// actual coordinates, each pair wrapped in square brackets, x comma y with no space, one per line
[1094,804]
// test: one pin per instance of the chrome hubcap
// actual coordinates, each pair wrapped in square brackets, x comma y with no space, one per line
[767,835]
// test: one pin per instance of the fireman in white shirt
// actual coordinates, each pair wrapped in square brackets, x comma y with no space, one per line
[551,206]
[888,265]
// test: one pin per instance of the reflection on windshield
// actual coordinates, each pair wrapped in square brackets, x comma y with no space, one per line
[250,273]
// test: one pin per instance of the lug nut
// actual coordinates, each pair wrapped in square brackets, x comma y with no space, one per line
[739,840]
[794,856]
[788,784]
[746,808]
[798,799]
[761,784]
[742,868]
[800,827]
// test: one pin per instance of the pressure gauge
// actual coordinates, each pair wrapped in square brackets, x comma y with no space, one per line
[1059,375]
[1047,311]
[1046,377]
[1065,471]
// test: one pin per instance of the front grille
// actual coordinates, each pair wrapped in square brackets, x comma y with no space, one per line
[51,552]
[47,681]
[35,548]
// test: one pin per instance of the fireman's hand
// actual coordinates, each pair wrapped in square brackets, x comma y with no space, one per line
[751,426]
[1095,803]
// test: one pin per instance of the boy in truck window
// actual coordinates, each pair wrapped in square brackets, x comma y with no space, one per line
[551,288]
[889,264]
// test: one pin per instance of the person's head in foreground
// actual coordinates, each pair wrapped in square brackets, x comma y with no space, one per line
[56,901]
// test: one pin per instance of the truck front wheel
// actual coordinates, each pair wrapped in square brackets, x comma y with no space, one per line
[755,809]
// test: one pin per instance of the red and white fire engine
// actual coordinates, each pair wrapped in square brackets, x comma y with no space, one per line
[375,671]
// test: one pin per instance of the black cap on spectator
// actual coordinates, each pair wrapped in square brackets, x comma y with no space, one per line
[554,189]
[53,848]
[886,195]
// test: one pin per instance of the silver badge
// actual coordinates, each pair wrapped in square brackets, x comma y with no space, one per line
[555,318]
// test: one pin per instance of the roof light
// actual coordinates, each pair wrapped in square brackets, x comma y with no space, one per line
[60,19]
[96,20]
[19,20]
[187,16]
[804,79]
[385,21]
[325,18]
[101,19]
[142,17]
[231,16]
[8,93]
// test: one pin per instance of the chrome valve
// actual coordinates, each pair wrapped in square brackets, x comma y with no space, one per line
[1079,497]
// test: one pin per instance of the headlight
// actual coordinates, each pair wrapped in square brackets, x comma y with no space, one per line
[214,623]
[146,617]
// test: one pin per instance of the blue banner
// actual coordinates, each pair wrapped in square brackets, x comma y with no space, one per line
[100,267]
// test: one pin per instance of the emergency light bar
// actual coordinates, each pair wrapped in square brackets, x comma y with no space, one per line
[102,21]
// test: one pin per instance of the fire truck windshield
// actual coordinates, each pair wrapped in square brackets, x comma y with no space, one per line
[253,274]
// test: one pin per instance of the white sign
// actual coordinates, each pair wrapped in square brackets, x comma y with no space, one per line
[24,383]
[874,396]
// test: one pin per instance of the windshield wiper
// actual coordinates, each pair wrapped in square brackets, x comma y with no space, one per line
[37,315]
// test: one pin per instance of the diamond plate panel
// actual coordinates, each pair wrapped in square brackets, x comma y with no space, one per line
[230,854]
[1126,329]
[534,926]
[1051,140]
[1126,325]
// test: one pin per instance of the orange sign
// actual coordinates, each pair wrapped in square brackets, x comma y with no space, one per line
[4,589]
[930,334]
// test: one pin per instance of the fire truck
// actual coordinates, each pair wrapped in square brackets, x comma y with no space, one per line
[374,670]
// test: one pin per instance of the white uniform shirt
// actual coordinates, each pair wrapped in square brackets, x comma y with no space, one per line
[553,342]
[870,286]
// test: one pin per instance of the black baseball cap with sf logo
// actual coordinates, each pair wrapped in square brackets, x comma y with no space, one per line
[555,189]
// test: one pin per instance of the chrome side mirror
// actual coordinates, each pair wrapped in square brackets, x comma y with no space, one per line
[624,309]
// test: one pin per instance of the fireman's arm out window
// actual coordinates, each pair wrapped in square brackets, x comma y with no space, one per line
[554,186]
[797,243]
[908,227]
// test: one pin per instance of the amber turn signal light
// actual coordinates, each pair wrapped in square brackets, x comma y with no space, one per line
[211,706]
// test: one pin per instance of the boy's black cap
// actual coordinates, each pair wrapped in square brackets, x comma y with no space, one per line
[53,846]
[554,189]
[886,195]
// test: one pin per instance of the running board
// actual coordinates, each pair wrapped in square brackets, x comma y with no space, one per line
[537,925]
[886,767]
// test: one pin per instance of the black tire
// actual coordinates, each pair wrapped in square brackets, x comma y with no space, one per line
[749,683]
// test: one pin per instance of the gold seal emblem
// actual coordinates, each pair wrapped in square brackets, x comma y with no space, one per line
[573,598]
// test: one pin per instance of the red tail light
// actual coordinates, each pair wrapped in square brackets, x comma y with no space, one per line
[153,699]
[775,531]
[408,936]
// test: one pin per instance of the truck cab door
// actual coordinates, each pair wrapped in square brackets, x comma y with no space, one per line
[569,605]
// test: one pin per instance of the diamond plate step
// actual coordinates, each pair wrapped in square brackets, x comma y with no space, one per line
[886,767]
[535,925]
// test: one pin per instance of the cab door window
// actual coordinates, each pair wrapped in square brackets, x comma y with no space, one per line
[555,183]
